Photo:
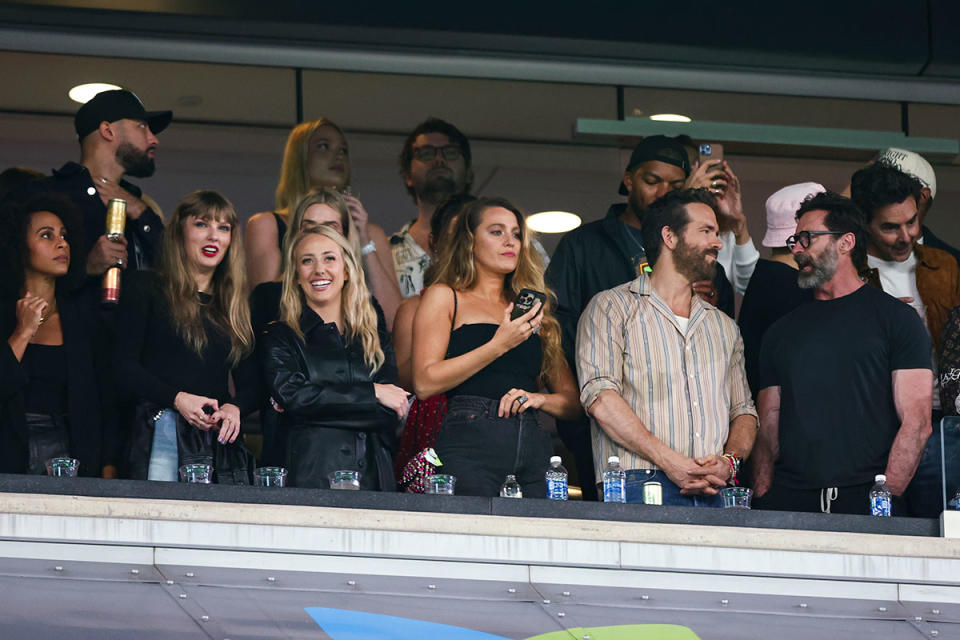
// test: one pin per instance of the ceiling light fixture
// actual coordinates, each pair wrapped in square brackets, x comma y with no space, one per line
[553,221]
[82,93]
[670,117]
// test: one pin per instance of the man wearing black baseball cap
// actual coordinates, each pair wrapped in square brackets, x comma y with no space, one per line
[118,137]
[607,253]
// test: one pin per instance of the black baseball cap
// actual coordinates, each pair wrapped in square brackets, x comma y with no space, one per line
[659,148]
[110,106]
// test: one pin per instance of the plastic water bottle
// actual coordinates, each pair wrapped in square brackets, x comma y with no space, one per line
[614,480]
[511,488]
[880,498]
[556,477]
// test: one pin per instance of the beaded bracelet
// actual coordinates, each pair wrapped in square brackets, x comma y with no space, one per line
[734,467]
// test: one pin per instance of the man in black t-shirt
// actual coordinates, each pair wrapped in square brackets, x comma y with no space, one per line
[845,380]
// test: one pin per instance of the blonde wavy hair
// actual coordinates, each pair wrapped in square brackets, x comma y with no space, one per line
[228,310]
[333,199]
[294,172]
[455,267]
[359,316]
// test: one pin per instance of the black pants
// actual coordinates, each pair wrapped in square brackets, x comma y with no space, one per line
[47,437]
[852,500]
[480,449]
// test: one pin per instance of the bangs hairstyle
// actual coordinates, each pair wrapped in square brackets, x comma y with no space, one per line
[294,172]
[333,199]
[456,268]
[15,217]
[228,310]
[359,316]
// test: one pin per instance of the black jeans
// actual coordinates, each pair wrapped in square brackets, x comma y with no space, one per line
[47,437]
[481,449]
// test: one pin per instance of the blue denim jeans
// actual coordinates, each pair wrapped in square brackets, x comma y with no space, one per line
[671,492]
[164,457]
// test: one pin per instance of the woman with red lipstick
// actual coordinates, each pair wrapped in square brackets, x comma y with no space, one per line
[51,403]
[182,332]
[491,367]
[317,157]
[329,365]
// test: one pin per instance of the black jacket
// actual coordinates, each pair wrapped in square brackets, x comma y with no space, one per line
[93,431]
[330,410]
[144,234]
[597,257]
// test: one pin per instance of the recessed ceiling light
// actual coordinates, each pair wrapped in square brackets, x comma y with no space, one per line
[553,221]
[82,93]
[670,117]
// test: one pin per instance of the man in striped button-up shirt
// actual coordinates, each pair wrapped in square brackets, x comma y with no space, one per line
[661,372]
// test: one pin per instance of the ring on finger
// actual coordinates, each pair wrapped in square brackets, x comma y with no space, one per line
[714,184]
[523,399]
[119,262]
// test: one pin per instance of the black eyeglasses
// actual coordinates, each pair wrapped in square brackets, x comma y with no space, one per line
[428,152]
[805,237]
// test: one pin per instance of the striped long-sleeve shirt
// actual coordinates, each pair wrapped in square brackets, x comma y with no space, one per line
[686,386]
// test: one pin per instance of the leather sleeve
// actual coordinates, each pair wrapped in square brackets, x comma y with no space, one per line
[347,405]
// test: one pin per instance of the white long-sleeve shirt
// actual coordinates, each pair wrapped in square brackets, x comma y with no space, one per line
[738,260]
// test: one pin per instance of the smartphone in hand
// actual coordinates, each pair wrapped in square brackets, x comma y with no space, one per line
[525,301]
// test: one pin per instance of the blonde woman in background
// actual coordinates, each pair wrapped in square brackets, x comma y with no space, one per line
[329,366]
[317,156]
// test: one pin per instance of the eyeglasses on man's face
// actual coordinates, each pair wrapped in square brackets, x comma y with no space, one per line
[428,152]
[804,238]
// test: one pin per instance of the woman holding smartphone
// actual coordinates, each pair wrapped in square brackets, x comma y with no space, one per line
[491,366]
[329,366]
[181,333]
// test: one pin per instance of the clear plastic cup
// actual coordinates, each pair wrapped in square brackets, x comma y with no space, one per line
[270,477]
[736,497]
[196,473]
[441,484]
[63,467]
[345,479]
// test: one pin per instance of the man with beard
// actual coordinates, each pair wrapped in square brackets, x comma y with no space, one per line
[117,138]
[926,278]
[609,252]
[845,380]
[435,164]
[661,371]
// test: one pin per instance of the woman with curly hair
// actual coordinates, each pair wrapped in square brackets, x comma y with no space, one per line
[181,333]
[328,364]
[51,373]
[491,366]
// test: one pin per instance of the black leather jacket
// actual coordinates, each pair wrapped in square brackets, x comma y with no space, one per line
[330,409]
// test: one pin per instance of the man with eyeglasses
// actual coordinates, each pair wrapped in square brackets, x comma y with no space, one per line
[845,380]
[926,278]
[435,164]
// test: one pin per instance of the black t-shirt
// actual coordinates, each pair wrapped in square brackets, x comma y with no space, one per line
[833,361]
[771,294]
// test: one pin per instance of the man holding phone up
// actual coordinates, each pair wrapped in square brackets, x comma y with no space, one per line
[662,372]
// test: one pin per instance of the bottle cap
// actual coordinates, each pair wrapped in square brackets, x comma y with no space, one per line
[613,459]
[554,459]
[880,478]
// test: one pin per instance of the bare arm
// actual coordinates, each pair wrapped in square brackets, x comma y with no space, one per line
[403,341]
[261,243]
[618,420]
[432,373]
[379,268]
[768,442]
[913,397]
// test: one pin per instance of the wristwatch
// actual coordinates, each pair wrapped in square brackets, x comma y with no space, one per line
[370,247]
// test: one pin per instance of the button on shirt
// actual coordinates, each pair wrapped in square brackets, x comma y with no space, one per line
[686,386]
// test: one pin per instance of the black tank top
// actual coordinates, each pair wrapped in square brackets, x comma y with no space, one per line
[518,368]
[281,229]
